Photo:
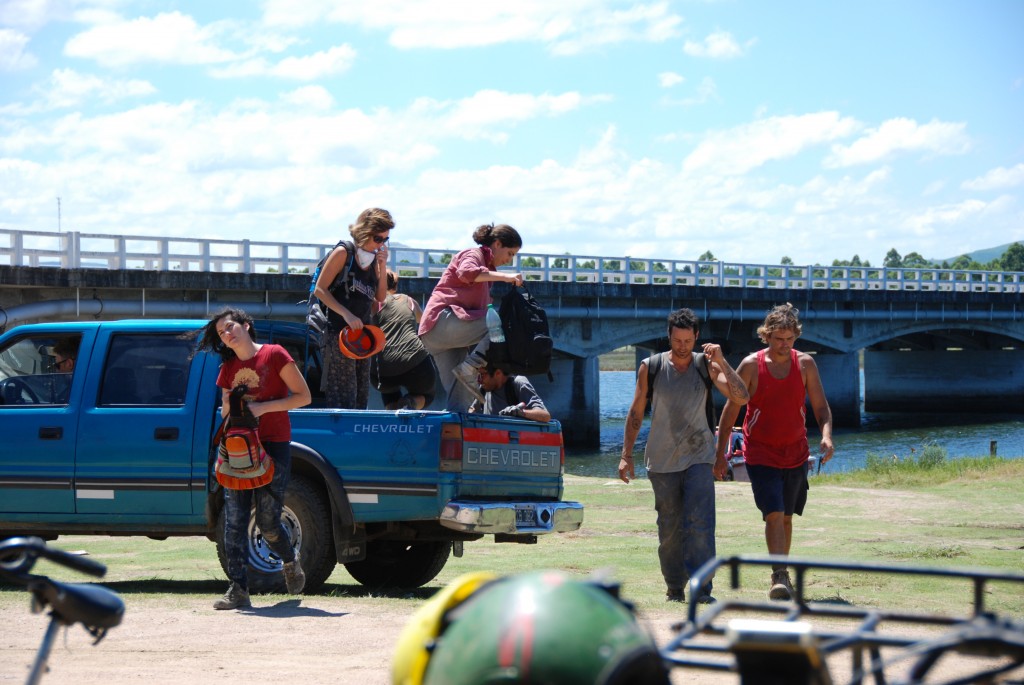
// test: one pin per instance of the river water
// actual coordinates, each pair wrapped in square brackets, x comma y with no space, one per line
[904,434]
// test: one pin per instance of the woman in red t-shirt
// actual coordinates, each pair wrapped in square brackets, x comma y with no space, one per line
[275,385]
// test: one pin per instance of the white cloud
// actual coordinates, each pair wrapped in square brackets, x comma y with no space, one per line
[12,51]
[925,222]
[667,79]
[718,45]
[740,149]
[566,27]
[68,88]
[335,60]
[28,14]
[311,97]
[997,178]
[167,38]
[901,135]
[706,92]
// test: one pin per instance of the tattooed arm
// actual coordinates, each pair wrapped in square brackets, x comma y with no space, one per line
[726,379]
[634,420]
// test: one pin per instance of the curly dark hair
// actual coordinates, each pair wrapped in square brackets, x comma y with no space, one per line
[208,339]
[683,318]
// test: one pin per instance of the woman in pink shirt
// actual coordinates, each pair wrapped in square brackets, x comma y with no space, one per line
[453,320]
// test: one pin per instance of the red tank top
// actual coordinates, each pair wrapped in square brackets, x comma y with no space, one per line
[775,427]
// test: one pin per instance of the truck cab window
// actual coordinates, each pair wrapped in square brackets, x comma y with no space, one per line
[38,370]
[307,358]
[145,370]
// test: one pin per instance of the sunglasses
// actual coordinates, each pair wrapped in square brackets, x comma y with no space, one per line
[60,364]
[380,241]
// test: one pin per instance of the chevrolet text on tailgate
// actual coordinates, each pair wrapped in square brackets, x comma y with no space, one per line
[120,444]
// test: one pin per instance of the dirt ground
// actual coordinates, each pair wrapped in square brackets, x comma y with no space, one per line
[314,640]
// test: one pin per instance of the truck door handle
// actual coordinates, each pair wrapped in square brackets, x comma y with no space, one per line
[166,433]
[513,437]
[51,433]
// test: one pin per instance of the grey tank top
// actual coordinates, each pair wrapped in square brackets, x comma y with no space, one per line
[679,436]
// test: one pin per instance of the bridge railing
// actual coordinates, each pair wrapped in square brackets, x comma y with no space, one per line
[92,250]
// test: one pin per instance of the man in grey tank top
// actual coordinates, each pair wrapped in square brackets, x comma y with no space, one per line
[680,450]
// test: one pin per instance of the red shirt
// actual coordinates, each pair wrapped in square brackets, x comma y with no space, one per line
[262,374]
[775,427]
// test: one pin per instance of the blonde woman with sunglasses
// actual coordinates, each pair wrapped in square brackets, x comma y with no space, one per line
[351,302]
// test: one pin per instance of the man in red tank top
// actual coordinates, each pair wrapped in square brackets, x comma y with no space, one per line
[779,378]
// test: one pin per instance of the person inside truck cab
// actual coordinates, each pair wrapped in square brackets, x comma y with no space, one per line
[275,385]
[507,395]
[65,351]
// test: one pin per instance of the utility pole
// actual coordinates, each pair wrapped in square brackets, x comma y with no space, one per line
[58,215]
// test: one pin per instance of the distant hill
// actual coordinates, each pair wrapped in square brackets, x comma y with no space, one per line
[983,256]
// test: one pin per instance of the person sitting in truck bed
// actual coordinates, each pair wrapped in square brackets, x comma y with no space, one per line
[507,395]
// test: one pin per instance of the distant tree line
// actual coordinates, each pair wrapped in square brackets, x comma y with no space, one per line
[1011,260]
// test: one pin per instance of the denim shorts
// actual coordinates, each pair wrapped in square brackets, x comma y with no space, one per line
[777,490]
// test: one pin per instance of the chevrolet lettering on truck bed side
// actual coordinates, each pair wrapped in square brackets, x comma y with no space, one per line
[120,444]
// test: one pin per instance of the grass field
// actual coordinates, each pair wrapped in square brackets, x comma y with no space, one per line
[622,359]
[967,517]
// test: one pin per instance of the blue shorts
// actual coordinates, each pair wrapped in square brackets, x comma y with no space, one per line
[777,490]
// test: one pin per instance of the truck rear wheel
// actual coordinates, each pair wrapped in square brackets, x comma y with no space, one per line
[307,518]
[399,565]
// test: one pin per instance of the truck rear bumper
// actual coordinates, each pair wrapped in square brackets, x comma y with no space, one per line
[526,518]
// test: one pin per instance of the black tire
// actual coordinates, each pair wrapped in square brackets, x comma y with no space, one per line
[308,520]
[399,565]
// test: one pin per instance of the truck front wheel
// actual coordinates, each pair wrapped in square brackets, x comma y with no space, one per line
[397,565]
[306,516]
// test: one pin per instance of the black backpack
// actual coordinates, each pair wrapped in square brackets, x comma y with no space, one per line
[316,314]
[528,345]
[654,363]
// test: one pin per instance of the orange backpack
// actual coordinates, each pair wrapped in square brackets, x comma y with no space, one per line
[242,463]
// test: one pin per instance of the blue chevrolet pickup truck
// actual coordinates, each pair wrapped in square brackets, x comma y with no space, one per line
[121,445]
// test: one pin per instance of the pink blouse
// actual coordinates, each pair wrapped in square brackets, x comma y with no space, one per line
[456,290]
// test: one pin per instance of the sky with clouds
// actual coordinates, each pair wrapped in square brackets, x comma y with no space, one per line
[648,128]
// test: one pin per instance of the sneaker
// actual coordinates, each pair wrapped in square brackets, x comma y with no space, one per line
[674,595]
[465,373]
[781,587]
[706,598]
[294,578]
[235,598]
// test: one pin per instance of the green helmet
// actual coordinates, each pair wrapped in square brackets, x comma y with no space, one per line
[543,628]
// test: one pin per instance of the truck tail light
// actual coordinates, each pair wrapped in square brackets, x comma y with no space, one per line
[451,447]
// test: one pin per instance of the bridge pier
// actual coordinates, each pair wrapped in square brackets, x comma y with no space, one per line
[574,398]
[944,380]
[840,377]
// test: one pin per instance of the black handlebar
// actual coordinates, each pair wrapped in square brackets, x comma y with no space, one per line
[18,556]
